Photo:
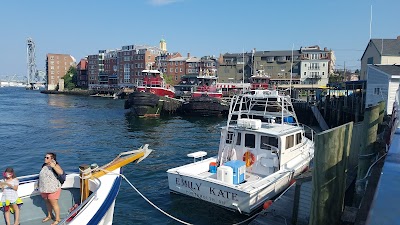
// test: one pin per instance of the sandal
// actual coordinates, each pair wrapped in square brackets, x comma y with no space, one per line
[56,222]
[46,219]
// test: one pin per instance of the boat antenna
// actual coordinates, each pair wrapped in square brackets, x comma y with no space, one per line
[243,73]
[291,69]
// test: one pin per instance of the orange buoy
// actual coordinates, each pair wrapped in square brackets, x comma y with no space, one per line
[267,204]
[249,158]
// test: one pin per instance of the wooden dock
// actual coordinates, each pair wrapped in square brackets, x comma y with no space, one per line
[291,207]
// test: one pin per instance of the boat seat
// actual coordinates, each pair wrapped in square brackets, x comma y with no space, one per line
[196,155]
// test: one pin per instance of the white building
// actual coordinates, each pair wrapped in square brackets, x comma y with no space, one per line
[382,84]
[380,51]
[314,66]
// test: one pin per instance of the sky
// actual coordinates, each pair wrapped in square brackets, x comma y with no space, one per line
[198,27]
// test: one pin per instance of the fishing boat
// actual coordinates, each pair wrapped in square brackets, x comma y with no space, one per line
[262,149]
[86,198]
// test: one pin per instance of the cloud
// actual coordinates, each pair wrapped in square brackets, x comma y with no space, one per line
[162,2]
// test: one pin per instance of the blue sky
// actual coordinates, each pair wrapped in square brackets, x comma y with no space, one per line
[201,27]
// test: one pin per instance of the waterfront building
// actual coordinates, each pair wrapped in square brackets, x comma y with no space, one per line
[380,51]
[82,75]
[110,74]
[382,84]
[132,59]
[93,70]
[308,65]
[57,66]
[162,61]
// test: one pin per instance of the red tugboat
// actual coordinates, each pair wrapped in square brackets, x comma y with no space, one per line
[259,81]
[207,86]
[153,81]
[151,92]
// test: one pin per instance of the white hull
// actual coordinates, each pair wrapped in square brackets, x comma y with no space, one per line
[194,180]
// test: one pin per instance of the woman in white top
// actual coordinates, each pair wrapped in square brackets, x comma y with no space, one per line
[10,195]
[50,186]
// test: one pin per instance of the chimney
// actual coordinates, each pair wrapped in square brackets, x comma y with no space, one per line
[188,55]
[398,37]
[325,49]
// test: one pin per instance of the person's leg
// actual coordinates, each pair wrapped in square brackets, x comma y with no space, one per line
[49,209]
[16,213]
[56,208]
[7,214]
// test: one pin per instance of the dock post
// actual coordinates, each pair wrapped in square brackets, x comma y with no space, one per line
[368,152]
[329,174]
[84,184]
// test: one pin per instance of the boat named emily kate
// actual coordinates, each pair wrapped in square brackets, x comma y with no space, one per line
[85,199]
[262,148]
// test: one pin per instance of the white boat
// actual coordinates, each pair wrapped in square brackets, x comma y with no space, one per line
[98,208]
[262,148]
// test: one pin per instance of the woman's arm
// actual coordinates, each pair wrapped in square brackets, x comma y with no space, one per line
[58,169]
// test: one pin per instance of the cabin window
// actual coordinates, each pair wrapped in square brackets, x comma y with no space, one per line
[250,140]
[267,142]
[239,139]
[229,138]
[289,141]
[298,138]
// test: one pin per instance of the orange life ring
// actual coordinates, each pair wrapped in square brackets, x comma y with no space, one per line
[249,158]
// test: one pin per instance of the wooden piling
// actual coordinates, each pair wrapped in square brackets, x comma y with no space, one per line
[367,153]
[329,174]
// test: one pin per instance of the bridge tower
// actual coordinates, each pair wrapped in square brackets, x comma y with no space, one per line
[31,60]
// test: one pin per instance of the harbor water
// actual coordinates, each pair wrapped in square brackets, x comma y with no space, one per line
[86,130]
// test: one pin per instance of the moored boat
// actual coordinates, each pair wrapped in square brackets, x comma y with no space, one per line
[262,148]
[153,82]
[103,185]
[205,106]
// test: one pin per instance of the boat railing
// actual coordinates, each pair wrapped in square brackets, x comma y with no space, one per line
[312,131]
[74,212]
[268,106]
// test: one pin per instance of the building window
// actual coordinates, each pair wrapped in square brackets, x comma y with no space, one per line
[370,60]
[377,91]
[181,70]
[305,73]
[176,77]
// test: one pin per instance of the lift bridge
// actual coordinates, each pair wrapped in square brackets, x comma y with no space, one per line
[32,75]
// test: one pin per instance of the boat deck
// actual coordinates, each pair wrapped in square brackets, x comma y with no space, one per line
[34,208]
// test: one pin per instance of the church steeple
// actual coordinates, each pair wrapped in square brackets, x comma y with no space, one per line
[163,45]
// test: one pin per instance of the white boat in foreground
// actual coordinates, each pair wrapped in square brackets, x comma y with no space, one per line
[262,148]
[104,183]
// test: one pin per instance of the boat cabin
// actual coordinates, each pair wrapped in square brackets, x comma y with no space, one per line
[264,147]
[152,78]
[259,81]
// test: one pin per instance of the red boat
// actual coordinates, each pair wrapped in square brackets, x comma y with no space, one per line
[260,81]
[207,86]
[153,81]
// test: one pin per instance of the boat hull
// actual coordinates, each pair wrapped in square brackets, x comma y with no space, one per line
[244,198]
[205,106]
[144,104]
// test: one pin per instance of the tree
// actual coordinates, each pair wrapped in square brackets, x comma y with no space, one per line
[70,78]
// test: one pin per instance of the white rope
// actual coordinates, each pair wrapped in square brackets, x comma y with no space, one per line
[147,200]
[162,211]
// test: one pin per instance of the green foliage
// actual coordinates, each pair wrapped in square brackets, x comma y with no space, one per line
[70,78]
[169,79]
